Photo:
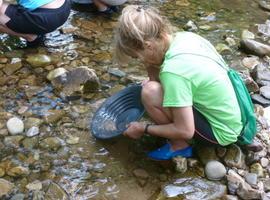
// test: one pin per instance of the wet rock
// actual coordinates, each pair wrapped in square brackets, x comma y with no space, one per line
[264,162]
[252,86]
[265,91]
[6,187]
[257,169]
[230,41]
[116,72]
[245,191]
[190,26]
[252,46]
[181,164]
[206,154]
[13,66]
[192,162]
[39,195]
[31,122]
[2,172]
[80,79]
[72,140]
[32,91]
[33,131]
[56,73]
[56,192]
[264,29]
[54,116]
[15,126]
[250,62]
[141,174]
[264,5]
[36,185]
[266,184]
[30,143]
[223,48]
[18,171]
[18,197]
[13,141]
[52,143]
[215,170]
[3,60]
[234,180]
[246,34]
[260,100]
[39,60]
[235,157]
[193,188]
[230,197]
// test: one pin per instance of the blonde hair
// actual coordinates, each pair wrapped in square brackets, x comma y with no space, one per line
[138,24]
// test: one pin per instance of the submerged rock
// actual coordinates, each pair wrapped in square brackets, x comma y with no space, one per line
[39,60]
[56,192]
[5,187]
[15,126]
[193,188]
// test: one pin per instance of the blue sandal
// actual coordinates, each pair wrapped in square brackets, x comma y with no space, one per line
[165,153]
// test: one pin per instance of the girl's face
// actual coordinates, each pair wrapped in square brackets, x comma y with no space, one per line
[152,54]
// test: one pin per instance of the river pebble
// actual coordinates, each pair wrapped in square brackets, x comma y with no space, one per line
[15,126]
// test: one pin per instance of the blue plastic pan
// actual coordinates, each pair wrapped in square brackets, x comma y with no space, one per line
[112,118]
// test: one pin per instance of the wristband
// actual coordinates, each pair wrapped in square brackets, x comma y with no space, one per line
[146,128]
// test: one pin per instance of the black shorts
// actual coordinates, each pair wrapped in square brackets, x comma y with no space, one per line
[38,21]
[203,130]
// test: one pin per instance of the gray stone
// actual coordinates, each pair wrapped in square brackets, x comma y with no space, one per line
[265,91]
[215,170]
[252,46]
[251,178]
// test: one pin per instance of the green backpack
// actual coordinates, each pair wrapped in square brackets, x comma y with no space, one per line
[248,117]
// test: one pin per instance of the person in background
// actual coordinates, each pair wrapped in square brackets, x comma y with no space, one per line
[32,19]
[189,94]
[108,6]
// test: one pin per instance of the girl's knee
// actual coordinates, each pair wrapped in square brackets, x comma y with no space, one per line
[151,88]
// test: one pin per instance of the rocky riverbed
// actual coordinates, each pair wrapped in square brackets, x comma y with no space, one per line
[49,94]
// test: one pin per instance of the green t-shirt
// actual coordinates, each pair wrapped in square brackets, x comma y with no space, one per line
[191,75]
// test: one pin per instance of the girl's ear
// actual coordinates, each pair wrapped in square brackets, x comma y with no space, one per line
[148,45]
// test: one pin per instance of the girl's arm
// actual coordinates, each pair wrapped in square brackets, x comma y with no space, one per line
[182,126]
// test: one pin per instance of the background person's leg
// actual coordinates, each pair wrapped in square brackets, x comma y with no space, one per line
[4,29]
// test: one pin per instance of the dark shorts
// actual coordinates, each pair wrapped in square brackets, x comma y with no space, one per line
[38,21]
[203,130]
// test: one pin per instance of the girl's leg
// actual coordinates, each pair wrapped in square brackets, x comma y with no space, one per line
[152,98]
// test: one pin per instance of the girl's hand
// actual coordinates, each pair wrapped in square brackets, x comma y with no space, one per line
[135,130]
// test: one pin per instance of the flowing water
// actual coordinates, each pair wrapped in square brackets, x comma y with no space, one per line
[83,166]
